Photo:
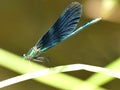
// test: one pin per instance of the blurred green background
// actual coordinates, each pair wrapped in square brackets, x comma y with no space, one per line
[23,22]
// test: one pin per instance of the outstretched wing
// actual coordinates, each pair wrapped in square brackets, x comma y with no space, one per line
[64,26]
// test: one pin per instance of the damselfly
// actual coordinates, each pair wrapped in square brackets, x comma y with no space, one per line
[63,28]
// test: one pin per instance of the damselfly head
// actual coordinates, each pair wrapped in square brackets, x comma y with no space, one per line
[32,53]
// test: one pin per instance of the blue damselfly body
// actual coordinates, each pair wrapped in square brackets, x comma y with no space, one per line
[63,28]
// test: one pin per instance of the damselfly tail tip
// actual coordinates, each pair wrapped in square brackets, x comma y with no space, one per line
[95,20]
[98,19]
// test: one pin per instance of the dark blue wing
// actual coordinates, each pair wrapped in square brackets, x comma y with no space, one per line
[64,26]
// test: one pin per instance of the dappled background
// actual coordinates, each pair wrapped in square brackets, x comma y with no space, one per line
[23,22]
